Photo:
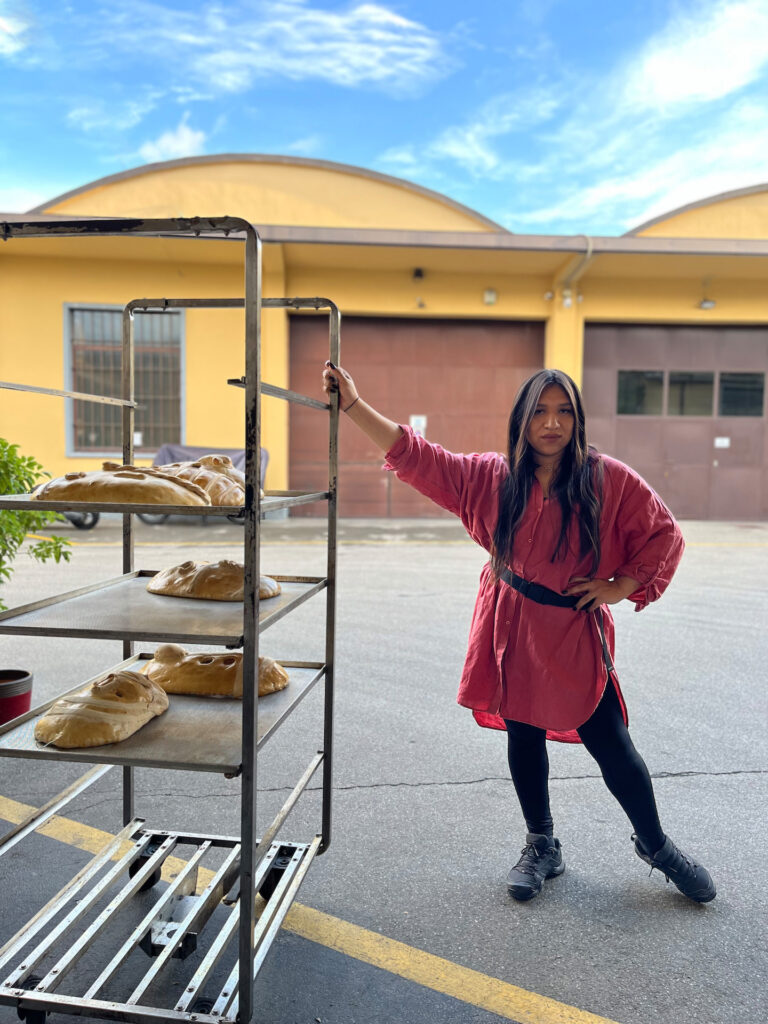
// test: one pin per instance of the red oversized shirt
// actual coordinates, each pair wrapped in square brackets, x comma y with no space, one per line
[525,661]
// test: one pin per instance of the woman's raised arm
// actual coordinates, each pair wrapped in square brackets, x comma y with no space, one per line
[382,431]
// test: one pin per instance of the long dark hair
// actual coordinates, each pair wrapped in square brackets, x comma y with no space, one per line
[577,485]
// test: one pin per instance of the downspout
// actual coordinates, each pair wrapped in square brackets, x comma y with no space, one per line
[575,273]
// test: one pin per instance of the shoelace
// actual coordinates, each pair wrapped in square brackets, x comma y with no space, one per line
[525,865]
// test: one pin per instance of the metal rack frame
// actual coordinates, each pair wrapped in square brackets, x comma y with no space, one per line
[256,863]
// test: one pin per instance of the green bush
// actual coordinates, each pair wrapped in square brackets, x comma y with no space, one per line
[18,475]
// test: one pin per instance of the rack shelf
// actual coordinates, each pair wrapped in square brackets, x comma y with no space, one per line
[273,501]
[199,734]
[123,609]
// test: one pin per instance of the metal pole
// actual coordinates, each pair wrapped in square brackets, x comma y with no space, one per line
[250,619]
[330,620]
[128,426]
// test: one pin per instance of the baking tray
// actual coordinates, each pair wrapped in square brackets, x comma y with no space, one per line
[200,734]
[123,609]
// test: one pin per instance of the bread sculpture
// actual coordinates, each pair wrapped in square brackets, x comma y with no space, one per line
[209,581]
[123,484]
[209,675]
[221,464]
[216,474]
[108,711]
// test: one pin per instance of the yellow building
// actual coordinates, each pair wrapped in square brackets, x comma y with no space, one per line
[445,313]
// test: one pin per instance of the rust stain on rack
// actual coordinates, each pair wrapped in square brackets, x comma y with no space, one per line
[508,1001]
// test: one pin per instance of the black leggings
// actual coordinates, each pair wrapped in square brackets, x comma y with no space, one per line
[607,739]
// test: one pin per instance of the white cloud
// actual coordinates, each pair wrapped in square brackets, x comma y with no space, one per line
[309,145]
[733,155]
[713,50]
[470,146]
[12,31]
[99,115]
[367,43]
[171,145]
[225,48]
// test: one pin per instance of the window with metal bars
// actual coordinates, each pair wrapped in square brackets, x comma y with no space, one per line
[95,339]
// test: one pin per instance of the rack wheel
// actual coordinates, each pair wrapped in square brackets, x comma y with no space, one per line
[275,873]
[138,864]
[29,1015]
[32,1016]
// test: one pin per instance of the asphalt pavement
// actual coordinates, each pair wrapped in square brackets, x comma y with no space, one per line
[426,824]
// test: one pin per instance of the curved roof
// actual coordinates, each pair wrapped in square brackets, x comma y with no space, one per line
[739,213]
[269,189]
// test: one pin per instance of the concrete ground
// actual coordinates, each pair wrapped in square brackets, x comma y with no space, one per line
[425,820]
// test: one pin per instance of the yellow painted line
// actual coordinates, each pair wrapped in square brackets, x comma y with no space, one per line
[432,972]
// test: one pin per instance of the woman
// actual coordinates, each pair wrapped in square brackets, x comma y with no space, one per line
[569,533]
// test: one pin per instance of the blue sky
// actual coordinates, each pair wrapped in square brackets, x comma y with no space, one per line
[548,116]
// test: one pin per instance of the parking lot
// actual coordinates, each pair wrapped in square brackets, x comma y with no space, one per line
[407,918]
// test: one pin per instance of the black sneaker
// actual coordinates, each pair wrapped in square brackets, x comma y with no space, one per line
[691,878]
[541,858]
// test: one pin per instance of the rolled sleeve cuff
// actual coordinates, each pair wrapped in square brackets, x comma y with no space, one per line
[646,576]
[400,450]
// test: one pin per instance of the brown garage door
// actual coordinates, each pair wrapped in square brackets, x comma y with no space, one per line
[461,375]
[686,407]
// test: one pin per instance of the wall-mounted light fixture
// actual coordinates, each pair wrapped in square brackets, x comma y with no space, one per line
[490,296]
[567,298]
[418,273]
[420,304]
[705,302]
[548,296]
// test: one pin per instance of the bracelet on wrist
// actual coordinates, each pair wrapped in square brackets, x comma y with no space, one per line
[351,404]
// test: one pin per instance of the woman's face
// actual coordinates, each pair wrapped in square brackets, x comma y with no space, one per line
[551,428]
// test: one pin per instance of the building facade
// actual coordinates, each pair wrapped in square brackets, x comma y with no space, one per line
[444,315]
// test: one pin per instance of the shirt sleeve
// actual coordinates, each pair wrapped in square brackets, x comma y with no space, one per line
[465,485]
[649,541]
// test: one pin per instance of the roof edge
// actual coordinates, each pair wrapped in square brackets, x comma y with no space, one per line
[735,193]
[503,241]
[265,158]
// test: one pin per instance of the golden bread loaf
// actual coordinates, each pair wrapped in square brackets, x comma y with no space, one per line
[208,581]
[223,484]
[107,711]
[123,484]
[209,675]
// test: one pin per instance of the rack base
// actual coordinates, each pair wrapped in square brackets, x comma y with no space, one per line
[108,925]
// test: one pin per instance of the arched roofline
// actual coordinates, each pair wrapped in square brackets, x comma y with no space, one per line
[266,158]
[736,193]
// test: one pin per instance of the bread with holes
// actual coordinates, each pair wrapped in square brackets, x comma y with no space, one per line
[209,675]
[107,711]
[208,581]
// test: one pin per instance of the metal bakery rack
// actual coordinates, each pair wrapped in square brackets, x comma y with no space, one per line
[246,894]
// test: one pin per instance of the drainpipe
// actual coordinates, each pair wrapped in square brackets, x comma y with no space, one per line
[564,284]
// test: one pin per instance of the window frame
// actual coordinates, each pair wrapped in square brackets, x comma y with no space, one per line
[69,412]
[665,414]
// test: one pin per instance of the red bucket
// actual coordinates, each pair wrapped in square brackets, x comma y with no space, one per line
[15,693]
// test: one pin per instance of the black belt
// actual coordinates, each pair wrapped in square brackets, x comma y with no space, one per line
[536,592]
[543,595]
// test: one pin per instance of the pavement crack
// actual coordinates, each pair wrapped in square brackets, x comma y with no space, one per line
[506,778]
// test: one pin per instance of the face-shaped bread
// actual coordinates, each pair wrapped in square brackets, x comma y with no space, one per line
[107,711]
[208,581]
[123,484]
[214,675]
